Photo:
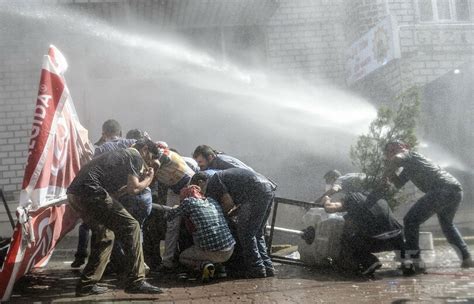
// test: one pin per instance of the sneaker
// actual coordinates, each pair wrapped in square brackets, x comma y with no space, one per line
[208,271]
[372,268]
[256,273]
[220,271]
[467,263]
[270,271]
[78,262]
[143,287]
[182,276]
[412,267]
[93,289]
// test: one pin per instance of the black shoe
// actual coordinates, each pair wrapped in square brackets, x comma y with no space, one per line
[270,271]
[256,273]
[221,271]
[372,268]
[413,267]
[467,263]
[143,287]
[93,289]
[78,262]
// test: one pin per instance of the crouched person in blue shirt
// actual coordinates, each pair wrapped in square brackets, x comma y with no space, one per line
[213,241]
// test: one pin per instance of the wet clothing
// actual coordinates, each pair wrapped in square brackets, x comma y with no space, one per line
[107,173]
[422,172]
[211,230]
[370,227]
[115,144]
[350,182]
[443,195]
[254,193]
[223,161]
[88,195]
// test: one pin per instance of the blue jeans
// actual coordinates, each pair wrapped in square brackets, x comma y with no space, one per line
[139,206]
[443,202]
[251,221]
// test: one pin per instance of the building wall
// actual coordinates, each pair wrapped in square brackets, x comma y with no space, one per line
[307,39]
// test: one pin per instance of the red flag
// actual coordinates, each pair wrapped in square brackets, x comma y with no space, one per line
[58,146]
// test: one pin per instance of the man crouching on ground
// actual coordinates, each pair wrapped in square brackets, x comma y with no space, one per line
[90,195]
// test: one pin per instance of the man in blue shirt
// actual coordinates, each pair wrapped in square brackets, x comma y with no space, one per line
[250,194]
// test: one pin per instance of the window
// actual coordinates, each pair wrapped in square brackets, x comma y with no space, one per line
[444,10]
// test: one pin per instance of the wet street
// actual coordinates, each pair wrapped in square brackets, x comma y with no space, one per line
[445,282]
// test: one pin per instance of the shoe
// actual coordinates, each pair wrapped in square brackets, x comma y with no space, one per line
[78,262]
[182,276]
[467,263]
[256,273]
[372,268]
[220,271]
[208,271]
[143,287]
[412,267]
[270,271]
[93,289]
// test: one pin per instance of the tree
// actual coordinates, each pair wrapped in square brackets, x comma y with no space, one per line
[367,154]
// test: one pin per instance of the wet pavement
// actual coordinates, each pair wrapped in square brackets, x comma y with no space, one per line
[444,282]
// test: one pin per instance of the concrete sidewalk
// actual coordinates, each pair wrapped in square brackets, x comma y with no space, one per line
[444,282]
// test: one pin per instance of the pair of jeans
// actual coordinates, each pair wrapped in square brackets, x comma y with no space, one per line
[109,220]
[139,206]
[251,220]
[444,202]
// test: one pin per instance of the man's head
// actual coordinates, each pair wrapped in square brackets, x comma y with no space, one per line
[393,148]
[200,179]
[203,155]
[148,151]
[137,134]
[110,129]
[331,176]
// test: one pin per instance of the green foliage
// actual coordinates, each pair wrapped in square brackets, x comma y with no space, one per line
[367,154]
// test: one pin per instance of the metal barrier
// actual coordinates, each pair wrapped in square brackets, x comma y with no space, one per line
[306,234]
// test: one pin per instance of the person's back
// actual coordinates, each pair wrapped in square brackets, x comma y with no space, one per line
[423,172]
[107,172]
[112,145]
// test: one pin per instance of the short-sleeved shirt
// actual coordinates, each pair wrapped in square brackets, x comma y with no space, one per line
[107,173]
[212,232]
[115,144]
[422,172]
[173,172]
[350,182]
[243,185]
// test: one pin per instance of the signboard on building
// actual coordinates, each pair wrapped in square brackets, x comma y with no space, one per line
[379,46]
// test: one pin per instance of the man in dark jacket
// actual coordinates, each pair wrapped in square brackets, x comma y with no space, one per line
[370,227]
[443,195]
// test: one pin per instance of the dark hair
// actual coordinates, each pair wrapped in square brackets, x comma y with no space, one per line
[332,174]
[397,143]
[199,177]
[139,144]
[112,127]
[135,134]
[205,151]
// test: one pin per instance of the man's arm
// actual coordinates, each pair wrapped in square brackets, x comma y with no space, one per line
[135,186]
[334,189]
[227,202]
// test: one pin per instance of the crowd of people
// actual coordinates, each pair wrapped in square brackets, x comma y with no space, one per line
[211,210]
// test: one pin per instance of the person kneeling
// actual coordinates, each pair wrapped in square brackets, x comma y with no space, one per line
[370,227]
[213,241]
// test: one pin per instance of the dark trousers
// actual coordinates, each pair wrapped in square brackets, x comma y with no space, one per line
[443,202]
[357,248]
[139,206]
[251,221]
[109,220]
